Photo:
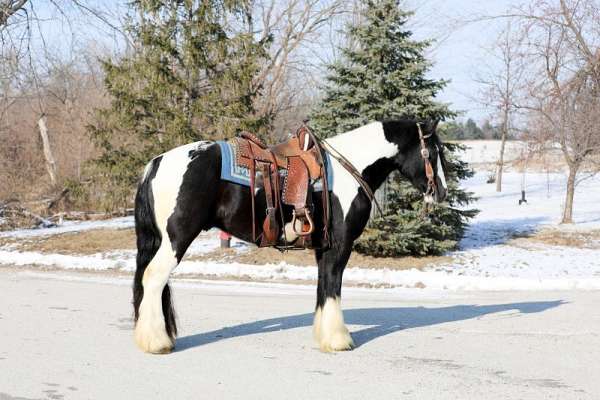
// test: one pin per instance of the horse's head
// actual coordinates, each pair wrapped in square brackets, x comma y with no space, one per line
[420,156]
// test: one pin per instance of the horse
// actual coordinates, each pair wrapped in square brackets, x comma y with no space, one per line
[181,193]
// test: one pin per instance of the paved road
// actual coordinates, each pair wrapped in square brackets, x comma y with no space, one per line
[72,339]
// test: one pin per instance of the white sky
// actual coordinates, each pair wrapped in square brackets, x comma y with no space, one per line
[461,53]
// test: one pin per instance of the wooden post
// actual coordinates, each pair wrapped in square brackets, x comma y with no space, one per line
[50,163]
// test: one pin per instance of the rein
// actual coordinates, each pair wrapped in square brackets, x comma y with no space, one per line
[344,162]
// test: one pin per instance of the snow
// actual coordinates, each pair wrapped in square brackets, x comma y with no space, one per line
[94,262]
[72,226]
[488,258]
[486,151]
[479,278]
[208,242]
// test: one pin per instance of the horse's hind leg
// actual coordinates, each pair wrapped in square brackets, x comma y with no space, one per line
[329,329]
[156,329]
[155,310]
[172,206]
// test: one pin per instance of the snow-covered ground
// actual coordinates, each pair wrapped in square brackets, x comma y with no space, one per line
[486,151]
[71,226]
[488,258]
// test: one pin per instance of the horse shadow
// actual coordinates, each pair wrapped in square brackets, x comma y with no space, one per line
[379,321]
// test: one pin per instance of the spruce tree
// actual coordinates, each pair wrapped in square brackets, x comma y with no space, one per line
[383,76]
[188,77]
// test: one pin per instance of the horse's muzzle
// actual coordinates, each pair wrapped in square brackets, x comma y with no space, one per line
[435,194]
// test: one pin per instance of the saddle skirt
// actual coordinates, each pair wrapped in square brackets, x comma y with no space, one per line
[231,171]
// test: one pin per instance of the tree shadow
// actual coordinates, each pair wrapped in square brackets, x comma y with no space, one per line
[380,321]
[493,232]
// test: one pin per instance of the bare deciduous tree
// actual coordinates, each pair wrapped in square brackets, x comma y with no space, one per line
[503,84]
[8,8]
[293,26]
[45,92]
[563,45]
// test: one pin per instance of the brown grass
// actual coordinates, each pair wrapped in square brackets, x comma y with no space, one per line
[258,256]
[84,242]
[103,240]
[558,237]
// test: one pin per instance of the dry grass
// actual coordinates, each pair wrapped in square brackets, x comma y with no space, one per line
[559,237]
[105,240]
[84,242]
[258,256]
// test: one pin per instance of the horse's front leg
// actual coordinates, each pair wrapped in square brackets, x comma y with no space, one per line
[329,329]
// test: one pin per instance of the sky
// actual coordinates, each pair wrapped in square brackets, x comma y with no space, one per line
[462,43]
[460,53]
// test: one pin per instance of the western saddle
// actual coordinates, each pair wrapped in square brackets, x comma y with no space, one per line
[297,162]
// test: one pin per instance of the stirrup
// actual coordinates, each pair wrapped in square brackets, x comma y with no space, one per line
[311,225]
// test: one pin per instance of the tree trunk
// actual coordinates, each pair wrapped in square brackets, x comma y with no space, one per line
[50,163]
[568,212]
[499,169]
[500,165]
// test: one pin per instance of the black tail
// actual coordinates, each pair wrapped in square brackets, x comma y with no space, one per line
[148,243]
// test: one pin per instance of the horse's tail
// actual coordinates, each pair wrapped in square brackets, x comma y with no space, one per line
[148,242]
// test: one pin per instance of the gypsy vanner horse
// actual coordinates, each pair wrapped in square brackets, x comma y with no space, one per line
[182,193]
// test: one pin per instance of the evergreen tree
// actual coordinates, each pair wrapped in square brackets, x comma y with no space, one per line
[472,131]
[187,78]
[490,131]
[451,130]
[384,77]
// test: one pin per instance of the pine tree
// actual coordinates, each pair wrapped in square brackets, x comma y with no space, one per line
[472,130]
[384,76]
[189,77]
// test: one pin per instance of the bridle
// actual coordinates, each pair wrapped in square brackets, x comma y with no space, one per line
[431,185]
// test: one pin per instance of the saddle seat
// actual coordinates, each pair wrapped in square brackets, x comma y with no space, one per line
[299,159]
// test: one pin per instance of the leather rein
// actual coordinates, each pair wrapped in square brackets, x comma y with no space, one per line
[344,162]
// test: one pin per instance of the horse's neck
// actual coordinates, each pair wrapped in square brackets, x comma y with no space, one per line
[364,146]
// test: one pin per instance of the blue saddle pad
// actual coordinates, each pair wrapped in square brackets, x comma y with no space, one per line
[232,172]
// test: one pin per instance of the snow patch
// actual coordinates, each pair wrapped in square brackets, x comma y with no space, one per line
[72,226]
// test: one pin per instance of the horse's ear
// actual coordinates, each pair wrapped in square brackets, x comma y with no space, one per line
[432,125]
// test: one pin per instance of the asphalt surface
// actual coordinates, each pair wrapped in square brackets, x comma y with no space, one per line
[70,337]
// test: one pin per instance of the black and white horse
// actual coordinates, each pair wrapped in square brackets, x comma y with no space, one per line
[181,194]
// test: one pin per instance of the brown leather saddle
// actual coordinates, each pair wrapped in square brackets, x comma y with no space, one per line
[286,171]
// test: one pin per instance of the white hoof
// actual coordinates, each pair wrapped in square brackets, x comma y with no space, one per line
[329,329]
[337,341]
[153,340]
